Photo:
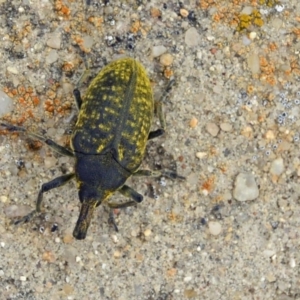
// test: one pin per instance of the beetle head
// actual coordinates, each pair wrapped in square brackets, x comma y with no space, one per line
[90,198]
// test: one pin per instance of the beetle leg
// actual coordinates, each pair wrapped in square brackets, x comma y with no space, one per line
[166,173]
[78,98]
[57,148]
[158,105]
[155,133]
[56,182]
[128,192]
[111,219]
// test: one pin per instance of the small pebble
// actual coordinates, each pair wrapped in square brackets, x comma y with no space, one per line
[271,277]
[277,167]
[270,135]
[292,263]
[247,10]
[212,129]
[193,122]
[187,278]
[48,256]
[54,41]
[192,37]
[117,254]
[226,127]
[215,228]
[12,70]
[253,63]
[87,42]
[68,238]
[166,59]
[155,12]
[245,187]
[147,232]
[6,104]
[183,12]
[201,154]
[158,50]
[252,35]
[3,199]
[1,273]
[23,278]
[52,57]
[50,162]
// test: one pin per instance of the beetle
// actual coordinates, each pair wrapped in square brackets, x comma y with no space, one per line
[108,141]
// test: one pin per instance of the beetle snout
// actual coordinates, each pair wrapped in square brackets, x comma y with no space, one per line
[84,220]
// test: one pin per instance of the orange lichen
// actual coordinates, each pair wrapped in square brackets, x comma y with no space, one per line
[206,4]
[208,185]
[155,12]
[68,67]
[135,26]
[272,46]
[295,68]
[250,89]
[213,151]
[62,9]
[222,167]
[267,71]
[48,105]
[96,21]
[171,272]
[168,72]
[25,101]
[174,217]
[296,31]
[80,42]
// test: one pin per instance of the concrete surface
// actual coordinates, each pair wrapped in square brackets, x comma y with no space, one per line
[231,229]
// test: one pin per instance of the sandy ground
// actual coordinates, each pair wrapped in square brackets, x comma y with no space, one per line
[231,229]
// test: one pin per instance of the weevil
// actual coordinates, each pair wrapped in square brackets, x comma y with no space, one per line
[108,141]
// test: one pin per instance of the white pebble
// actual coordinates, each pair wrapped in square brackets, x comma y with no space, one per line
[158,50]
[3,199]
[88,42]
[12,70]
[226,127]
[52,57]
[252,35]
[187,278]
[215,228]
[54,41]
[212,129]
[277,167]
[253,63]
[50,162]
[23,278]
[192,37]
[201,154]
[247,10]
[245,187]
[292,263]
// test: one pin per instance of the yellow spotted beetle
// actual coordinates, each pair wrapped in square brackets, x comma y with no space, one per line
[108,141]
